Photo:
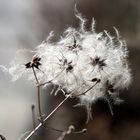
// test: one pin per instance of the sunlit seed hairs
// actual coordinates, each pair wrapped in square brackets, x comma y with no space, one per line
[83,62]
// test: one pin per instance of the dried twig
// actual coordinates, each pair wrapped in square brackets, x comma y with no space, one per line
[48,116]
[38,93]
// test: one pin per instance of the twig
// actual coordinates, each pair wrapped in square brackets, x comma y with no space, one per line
[53,111]
[37,81]
[48,116]
[49,127]
[38,93]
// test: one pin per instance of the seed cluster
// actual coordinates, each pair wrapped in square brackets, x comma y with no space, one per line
[84,62]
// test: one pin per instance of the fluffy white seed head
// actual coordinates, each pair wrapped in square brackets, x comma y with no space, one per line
[87,63]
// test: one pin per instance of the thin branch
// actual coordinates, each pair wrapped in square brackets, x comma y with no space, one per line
[39,103]
[48,127]
[54,110]
[47,117]
[37,81]
[38,93]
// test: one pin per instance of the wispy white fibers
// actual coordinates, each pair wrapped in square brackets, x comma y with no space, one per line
[89,64]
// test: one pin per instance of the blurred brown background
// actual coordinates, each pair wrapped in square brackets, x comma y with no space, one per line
[25,24]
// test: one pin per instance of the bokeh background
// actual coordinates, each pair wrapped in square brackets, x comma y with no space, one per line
[24,24]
